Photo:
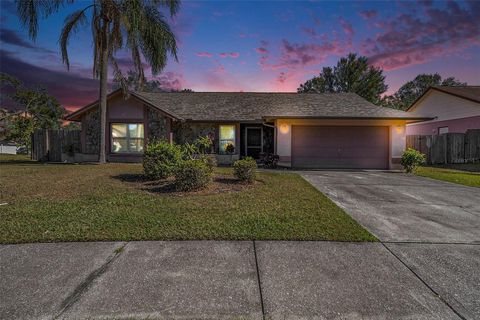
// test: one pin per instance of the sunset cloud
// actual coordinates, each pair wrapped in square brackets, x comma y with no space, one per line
[68,87]
[347,27]
[204,54]
[229,55]
[409,39]
[368,14]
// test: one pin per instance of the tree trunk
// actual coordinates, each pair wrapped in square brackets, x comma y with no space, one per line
[103,91]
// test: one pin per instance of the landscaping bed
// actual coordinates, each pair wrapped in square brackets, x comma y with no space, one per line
[68,202]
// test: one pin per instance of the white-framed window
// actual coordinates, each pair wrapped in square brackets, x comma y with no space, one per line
[226,137]
[127,137]
[442,130]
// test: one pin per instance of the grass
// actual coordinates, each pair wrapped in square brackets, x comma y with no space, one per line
[467,178]
[67,202]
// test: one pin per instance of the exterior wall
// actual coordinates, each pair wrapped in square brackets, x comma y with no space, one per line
[189,131]
[119,108]
[455,125]
[457,113]
[6,149]
[284,135]
[156,126]
[91,132]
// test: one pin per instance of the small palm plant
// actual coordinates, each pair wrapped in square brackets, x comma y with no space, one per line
[137,25]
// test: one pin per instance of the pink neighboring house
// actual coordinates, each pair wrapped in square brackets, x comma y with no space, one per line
[456,109]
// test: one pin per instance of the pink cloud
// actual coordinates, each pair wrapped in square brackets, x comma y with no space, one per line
[261,50]
[347,27]
[409,40]
[204,54]
[368,14]
[229,54]
[171,81]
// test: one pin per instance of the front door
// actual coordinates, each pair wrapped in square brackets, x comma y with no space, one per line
[253,141]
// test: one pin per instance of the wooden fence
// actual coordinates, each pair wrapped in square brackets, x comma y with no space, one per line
[49,145]
[448,147]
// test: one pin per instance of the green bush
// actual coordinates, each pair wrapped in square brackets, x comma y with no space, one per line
[189,151]
[204,144]
[192,175]
[245,169]
[160,159]
[411,159]
[210,160]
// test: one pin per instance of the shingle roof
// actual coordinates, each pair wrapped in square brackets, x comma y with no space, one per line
[231,106]
[467,92]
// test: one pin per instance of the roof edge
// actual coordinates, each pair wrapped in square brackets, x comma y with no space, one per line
[350,118]
[440,89]
[73,116]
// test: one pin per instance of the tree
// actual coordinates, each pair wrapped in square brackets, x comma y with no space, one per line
[137,25]
[38,110]
[133,83]
[351,74]
[412,90]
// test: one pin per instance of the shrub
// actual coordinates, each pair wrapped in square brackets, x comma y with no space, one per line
[204,144]
[411,159]
[192,175]
[160,159]
[210,160]
[189,151]
[245,169]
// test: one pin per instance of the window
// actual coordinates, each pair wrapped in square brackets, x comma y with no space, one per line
[227,136]
[442,130]
[127,137]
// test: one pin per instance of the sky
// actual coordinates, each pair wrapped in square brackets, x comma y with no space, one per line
[269,46]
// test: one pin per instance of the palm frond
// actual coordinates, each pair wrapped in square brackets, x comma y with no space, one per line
[151,33]
[72,23]
[30,10]
[172,5]
[118,76]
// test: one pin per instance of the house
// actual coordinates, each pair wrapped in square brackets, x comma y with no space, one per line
[7,147]
[456,109]
[340,130]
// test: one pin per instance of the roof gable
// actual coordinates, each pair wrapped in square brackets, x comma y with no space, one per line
[471,93]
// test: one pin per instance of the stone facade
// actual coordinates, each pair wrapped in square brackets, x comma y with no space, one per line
[187,132]
[91,127]
[157,125]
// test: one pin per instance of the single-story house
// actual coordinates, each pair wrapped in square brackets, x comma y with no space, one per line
[456,109]
[340,130]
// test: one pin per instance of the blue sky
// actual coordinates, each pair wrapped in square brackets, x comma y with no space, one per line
[265,46]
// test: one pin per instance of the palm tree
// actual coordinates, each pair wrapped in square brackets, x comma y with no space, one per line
[137,25]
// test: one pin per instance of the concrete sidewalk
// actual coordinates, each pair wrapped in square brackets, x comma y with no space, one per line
[239,280]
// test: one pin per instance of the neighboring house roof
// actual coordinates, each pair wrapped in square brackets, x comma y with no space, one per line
[471,93]
[242,106]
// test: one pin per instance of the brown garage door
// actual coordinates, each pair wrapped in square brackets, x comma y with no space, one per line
[340,147]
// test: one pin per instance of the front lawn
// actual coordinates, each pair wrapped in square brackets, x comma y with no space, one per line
[466,178]
[67,202]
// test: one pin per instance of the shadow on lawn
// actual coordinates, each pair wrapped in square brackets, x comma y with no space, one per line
[220,184]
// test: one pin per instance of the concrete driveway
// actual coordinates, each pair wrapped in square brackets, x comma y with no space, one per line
[403,208]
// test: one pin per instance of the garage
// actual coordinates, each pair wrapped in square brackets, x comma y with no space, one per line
[340,147]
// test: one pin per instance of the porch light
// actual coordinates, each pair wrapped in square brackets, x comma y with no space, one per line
[399,129]
[284,128]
